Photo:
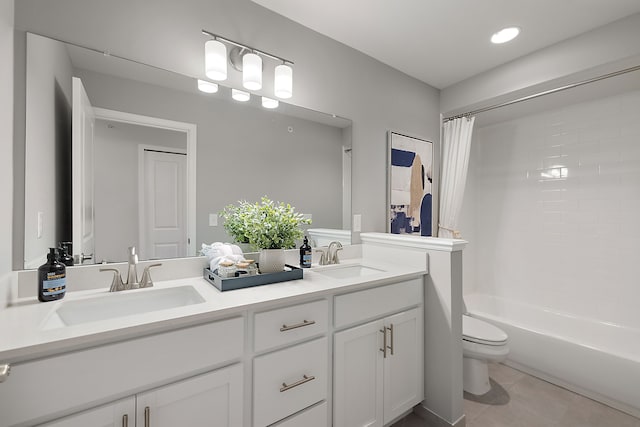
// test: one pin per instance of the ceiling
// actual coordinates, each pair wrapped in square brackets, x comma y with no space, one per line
[442,42]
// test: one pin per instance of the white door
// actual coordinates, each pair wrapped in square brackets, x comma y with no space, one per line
[83,215]
[163,216]
[358,376]
[117,414]
[213,399]
[403,379]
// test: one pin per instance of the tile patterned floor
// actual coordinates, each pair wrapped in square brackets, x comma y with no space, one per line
[520,400]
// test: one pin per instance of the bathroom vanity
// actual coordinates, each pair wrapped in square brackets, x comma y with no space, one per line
[304,352]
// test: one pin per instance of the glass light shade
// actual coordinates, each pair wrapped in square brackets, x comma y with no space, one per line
[505,35]
[207,87]
[270,103]
[240,95]
[283,85]
[252,71]
[215,60]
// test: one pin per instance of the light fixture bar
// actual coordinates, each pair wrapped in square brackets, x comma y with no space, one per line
[244,46]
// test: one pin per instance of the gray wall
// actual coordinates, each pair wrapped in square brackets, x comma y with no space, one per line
[47,147]
[242,152]
[6,145]
[605,49]
[116,183]
[328,76]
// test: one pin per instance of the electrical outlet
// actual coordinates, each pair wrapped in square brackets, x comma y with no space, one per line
[357,223]
[213,220]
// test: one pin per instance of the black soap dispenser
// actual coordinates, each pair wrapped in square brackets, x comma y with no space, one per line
[305,254]
[52,278]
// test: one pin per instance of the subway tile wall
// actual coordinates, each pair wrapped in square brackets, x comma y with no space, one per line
[552,210]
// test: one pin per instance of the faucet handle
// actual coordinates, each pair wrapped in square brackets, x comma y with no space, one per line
[323,255]
[116,283]
[146,281]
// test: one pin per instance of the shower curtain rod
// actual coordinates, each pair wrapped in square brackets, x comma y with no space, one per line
[546,92]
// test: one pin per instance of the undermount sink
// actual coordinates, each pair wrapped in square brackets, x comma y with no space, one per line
[348,271]
[126,303]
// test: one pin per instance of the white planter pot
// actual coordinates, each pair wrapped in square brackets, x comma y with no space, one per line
[271,260]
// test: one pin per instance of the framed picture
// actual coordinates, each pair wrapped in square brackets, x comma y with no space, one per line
[410,184]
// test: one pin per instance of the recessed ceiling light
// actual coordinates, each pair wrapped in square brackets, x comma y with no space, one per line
[505,35]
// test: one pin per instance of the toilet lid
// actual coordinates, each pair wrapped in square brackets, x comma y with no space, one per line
[476,330]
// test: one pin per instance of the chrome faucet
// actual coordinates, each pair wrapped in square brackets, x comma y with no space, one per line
[332,252]
[329,255]
[132,282]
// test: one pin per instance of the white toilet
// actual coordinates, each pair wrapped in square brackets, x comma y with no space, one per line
[481,343]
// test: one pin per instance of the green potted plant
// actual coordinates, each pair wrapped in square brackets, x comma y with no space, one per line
[270,227]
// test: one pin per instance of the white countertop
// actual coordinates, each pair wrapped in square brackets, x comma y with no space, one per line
[24,334]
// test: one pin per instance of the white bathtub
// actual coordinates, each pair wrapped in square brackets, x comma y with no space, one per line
[597,359]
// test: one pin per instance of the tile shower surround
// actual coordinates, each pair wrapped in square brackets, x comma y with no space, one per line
[552,210]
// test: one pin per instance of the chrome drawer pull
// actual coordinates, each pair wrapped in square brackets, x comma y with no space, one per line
[298,325]
[125,420]
[305,379]
[147,416]
[384,342]
[391,333]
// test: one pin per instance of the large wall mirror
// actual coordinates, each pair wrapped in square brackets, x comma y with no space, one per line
[119,153]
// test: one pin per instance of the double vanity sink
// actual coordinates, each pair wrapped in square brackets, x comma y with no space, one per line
[106,306]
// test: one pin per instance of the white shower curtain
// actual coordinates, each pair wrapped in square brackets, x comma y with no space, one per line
[456,147]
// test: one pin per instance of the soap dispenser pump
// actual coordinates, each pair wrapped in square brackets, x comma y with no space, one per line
[52,278]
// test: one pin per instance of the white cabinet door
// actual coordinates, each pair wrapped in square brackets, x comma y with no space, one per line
[212,399]
[403,367]
[358,376]
[117,414]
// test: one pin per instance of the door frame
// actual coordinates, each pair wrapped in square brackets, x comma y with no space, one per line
[142,233]
[190,130]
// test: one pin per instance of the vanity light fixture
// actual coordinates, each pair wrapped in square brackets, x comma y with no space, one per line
[207,87]
[248,60]
[240,95]
[270,103]
[505,35]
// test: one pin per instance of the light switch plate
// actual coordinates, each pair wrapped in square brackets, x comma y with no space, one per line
[213,220]
[40,224]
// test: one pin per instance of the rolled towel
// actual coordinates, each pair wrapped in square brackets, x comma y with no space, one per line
[214,262]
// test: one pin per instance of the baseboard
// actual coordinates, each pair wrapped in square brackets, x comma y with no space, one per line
[434,420]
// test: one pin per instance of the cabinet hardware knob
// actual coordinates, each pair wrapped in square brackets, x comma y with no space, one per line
[297,325]
[384,342]
[147,416]
[125,420]
[5,370]
[305,379]
[390,328]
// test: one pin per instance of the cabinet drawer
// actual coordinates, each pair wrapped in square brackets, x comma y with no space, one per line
[290,324]
[360,306]
[289,380]
[58,385]
[316,416]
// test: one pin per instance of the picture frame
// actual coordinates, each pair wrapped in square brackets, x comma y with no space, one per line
[410,185]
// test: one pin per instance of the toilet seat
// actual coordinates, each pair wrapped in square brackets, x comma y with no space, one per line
[480,332]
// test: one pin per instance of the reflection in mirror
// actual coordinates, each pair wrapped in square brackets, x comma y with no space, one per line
[165,158]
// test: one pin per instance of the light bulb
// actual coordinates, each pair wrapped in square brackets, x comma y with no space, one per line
[252,71]
[283,85]
[240,95]
[215,60]
[207,87]
[270,103]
